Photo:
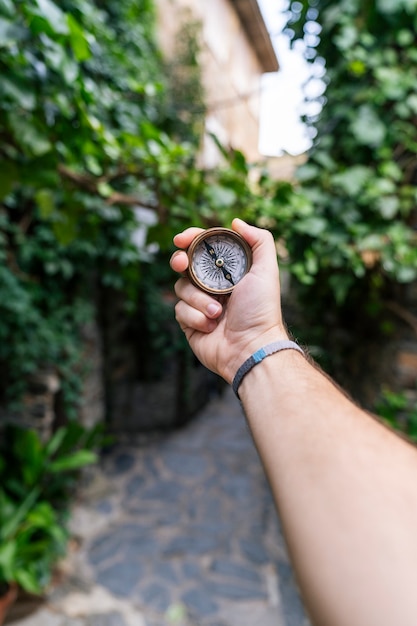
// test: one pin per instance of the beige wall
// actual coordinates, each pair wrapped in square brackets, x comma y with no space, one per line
[230,69]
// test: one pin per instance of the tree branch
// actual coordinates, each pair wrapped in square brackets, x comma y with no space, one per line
[91,185]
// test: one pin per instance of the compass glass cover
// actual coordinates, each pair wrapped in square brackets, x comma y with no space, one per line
[219,262]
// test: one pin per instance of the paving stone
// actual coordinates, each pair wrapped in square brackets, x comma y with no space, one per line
[156,596]
[194,523]
[164,491]
[186,465]
[253,614]
[105,547]
[125,540]
[189,544]
[165,571]
[120,578]
[254,550]
[198,601]
[233,591]
[240,488]
[214,528]
[104,506]
[141,546]
[235,570]
[123,462]
[106,619]
[292,607]
[191,570]
[134,485]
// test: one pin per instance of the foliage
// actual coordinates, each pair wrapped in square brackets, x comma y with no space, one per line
[354,239]
[92,127]
[359,184]
[85,117]
[76,112]
[37,483]
[396,410]
[31,541]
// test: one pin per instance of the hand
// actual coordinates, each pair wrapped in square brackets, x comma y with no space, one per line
[224,332]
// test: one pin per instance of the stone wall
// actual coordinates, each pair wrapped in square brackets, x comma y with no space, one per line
[148,388]
[117,390]
[38,408]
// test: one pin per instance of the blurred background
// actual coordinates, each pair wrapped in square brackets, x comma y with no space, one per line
[123,122]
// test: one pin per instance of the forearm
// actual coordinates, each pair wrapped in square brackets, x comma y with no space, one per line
[345,489]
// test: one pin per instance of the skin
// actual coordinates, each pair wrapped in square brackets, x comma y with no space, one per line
[220,335]
[345,486]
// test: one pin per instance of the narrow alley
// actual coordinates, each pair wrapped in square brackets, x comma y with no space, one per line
[180,531]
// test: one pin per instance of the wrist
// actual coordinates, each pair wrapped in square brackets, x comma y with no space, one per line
[257,357]
[280,373]
[245,350]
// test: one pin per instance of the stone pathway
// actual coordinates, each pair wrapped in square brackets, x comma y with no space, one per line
[181,531]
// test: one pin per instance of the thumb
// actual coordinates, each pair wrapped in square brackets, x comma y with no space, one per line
[260,240]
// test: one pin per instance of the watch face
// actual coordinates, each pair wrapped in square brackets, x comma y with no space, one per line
[218,259]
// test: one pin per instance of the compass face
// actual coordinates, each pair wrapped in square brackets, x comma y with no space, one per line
[219,258]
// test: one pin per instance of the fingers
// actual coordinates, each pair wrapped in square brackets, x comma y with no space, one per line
[183,240]
[197,299]
[179,260]
[196,309]
[190,319]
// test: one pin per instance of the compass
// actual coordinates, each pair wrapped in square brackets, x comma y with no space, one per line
[218,259]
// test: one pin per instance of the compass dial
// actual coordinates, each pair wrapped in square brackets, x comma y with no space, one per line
[218,259]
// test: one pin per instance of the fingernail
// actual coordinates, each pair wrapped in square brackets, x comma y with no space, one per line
[213,309]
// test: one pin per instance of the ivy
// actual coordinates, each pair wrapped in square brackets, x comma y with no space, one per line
[353,241]
[360,180]
[92,125]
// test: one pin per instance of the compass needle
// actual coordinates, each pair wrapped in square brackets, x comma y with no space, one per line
[218,260]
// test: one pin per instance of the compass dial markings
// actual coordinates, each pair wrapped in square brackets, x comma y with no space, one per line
[220,262]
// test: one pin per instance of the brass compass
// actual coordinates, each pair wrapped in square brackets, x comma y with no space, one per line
[218,259]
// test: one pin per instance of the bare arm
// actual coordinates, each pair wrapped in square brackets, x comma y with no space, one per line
[345,486]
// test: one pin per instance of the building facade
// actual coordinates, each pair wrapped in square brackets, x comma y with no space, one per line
[235,51]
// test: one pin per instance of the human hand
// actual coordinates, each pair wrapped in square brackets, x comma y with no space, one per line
[225,331]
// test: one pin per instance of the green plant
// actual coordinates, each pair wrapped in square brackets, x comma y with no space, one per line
[38,480]
[350,232]
[32,539]
[399,412]
[356,207]
[88,133]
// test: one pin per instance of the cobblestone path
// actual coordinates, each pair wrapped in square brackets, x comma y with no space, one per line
[181,531]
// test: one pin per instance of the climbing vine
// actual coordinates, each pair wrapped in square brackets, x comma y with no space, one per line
[90,134]
[354,243]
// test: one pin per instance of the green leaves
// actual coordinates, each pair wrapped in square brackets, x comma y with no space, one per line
[388,7]
[37,482]
[367,127]
[47,17]
[352,239]
[78,459]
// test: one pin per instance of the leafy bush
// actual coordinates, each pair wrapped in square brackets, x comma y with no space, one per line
[37,485]
[398,411]
[359,184]
[353,241]
[84,119]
